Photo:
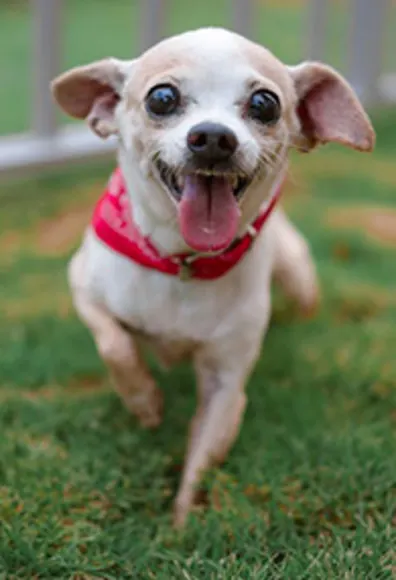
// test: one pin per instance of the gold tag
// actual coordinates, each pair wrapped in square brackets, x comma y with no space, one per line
[185,271]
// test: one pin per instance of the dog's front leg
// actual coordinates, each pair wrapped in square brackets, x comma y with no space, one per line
[221,379]
[118,349]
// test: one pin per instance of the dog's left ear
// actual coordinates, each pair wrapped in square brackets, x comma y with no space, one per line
[328,109]
[92,92]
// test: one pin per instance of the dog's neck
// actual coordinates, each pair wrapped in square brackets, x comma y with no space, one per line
[155,215]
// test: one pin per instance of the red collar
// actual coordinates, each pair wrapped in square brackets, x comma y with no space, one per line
[113,224]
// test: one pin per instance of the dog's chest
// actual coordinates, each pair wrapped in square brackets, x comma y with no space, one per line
[167,307]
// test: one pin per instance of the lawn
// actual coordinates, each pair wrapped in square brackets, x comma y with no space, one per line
[309,491]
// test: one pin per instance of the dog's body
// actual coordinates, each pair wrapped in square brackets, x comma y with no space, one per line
[168,311]
[218,323]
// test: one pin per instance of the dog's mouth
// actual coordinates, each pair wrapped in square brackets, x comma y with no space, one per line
[175,182]
[207,204]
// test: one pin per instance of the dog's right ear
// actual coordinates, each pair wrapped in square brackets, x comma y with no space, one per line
[92,92]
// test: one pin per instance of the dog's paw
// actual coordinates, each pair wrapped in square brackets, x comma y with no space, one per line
[147,408]
[309,305]
[186,499]
[181,509]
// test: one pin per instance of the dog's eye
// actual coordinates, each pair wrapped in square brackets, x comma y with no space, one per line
[162,100]
[264,106]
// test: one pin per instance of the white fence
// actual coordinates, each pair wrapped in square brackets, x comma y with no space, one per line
[50,144]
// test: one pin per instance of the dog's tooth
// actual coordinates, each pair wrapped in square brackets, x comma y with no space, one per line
[180,181]
[233,180]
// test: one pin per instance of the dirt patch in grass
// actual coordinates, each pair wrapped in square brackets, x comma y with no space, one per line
[379,223]
[10,242]
[60,306]
[80,387]
[40,293]
[339,164]
[58,235]
[51,236]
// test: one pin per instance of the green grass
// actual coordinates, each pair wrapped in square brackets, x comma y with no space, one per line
[309,491]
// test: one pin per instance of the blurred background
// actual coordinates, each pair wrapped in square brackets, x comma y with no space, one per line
[43,37]
[322,412]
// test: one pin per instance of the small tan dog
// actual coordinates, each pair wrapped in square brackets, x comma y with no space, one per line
[204,123]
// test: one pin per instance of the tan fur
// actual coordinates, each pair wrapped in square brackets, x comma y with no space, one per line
[218,324]
[153,67]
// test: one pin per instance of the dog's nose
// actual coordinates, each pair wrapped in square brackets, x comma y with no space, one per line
[212,141]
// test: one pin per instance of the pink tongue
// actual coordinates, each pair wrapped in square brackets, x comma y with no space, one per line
[208,213]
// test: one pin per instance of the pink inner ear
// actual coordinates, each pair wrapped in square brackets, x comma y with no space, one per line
[103,108]
[330,112]
[326,113]
[78,95]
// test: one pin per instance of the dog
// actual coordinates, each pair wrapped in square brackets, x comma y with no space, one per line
[184,244]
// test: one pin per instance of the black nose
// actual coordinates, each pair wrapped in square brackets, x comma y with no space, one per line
[212,141]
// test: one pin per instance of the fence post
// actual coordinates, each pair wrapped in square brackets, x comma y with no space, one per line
[316,34]
[366,46]
[152,18]
[46,62]
[243,17]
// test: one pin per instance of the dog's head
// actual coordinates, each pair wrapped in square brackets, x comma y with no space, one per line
[207,118]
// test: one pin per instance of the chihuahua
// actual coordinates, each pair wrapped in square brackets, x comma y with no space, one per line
[184,243]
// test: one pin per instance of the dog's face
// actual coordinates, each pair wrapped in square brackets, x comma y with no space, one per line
[207,119]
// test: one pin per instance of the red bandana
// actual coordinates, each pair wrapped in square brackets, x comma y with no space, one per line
[113,224]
